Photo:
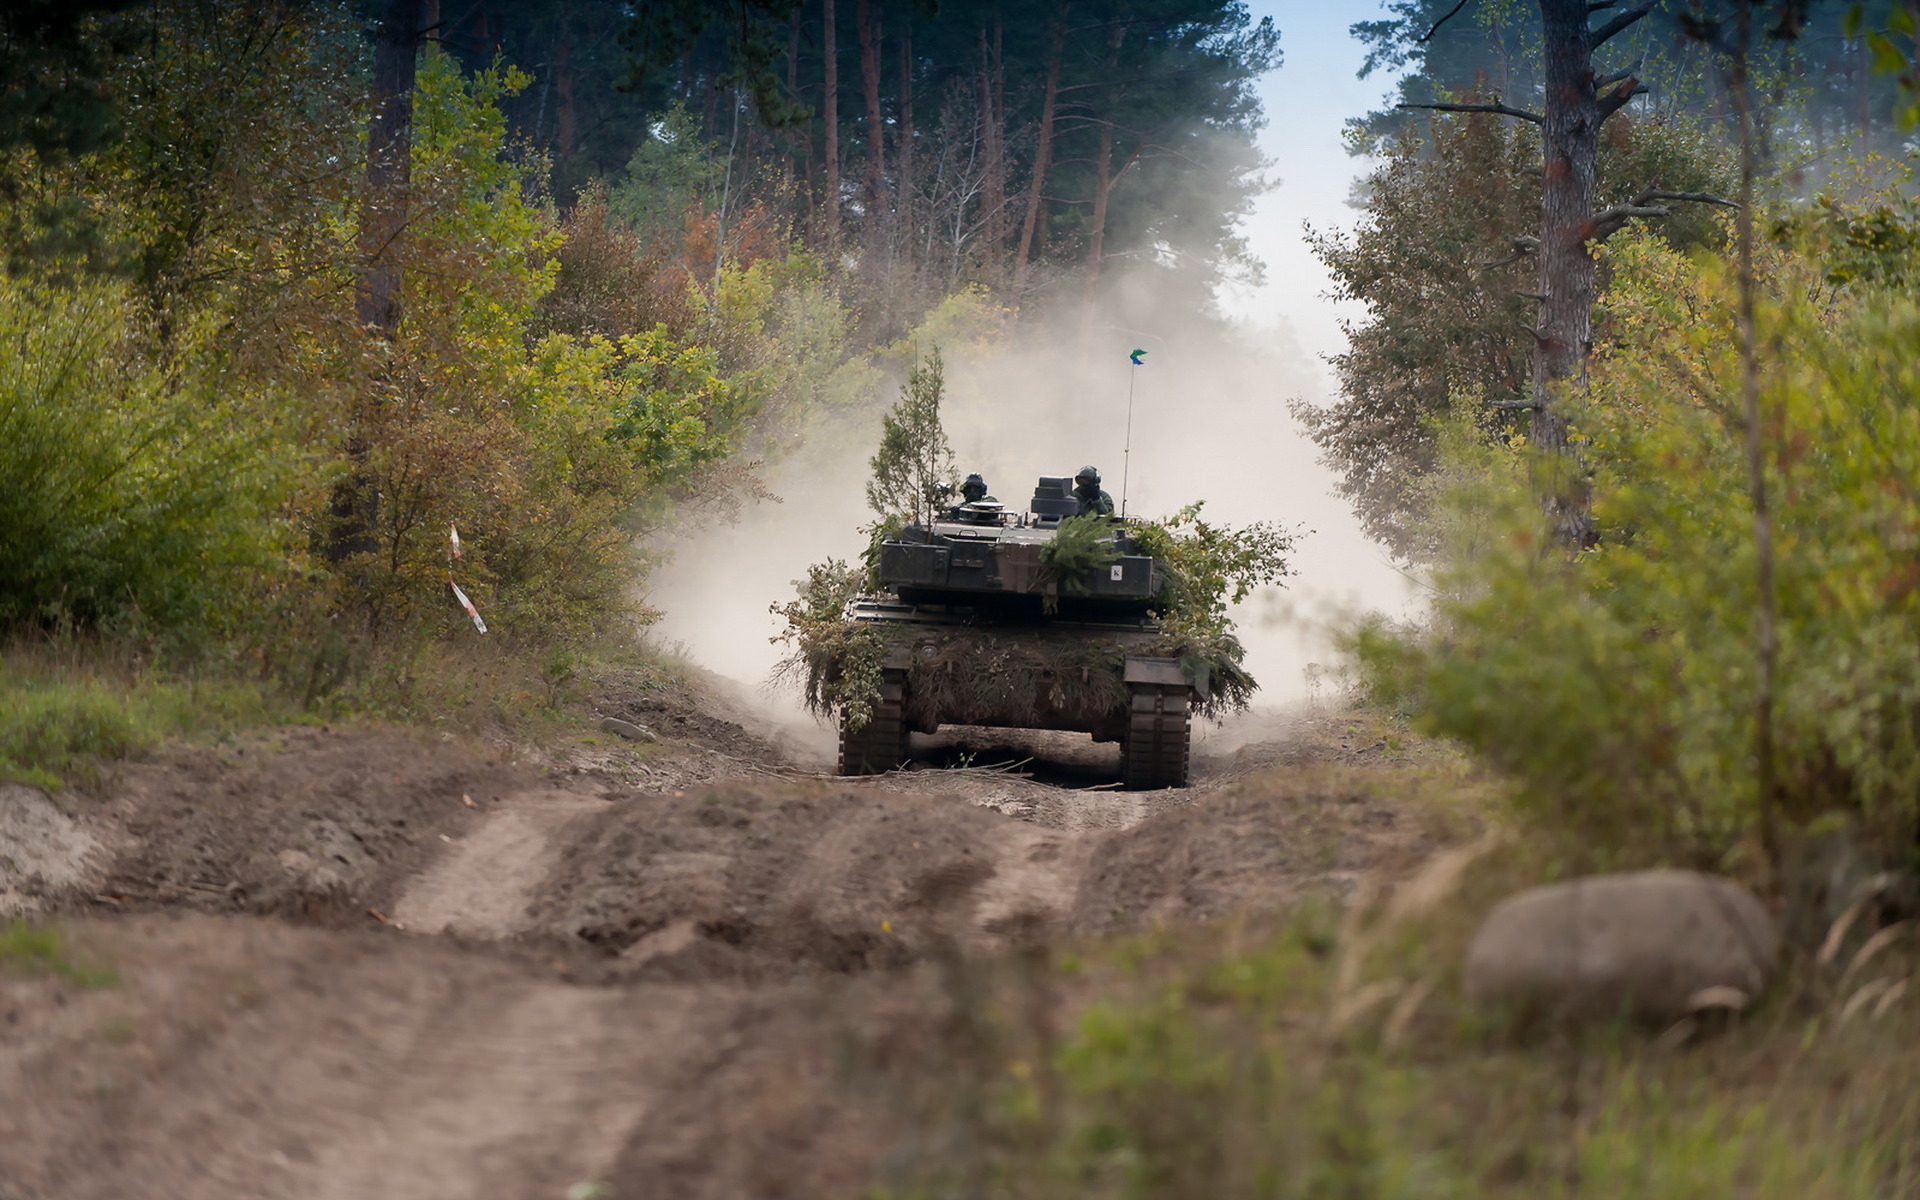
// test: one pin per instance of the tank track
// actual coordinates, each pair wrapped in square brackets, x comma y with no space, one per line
[1155,751]
[881,744]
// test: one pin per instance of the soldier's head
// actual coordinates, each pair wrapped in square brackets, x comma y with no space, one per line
[1089,477]
[973,489]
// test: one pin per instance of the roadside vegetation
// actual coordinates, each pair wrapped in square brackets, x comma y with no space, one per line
[315,331]
[261,356]
[1326,1048]
[1675,633]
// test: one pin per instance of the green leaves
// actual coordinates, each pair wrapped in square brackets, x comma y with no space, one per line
[676,412]
[123,489]
[1616,685]
[1888,57]
[913,469]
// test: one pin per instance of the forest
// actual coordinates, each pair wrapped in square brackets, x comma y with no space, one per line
[352,277]
[361,362]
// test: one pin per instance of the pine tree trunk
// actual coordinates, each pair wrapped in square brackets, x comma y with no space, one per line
[389,168]
[1103,176]
[869,35]
[830,115]
[354,507]
[1102,184]
[1563,339]
[904,205]
[565,129]
[797,166]
[993,190]
[1043,154]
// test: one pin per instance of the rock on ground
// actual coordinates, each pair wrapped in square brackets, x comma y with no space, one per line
[1645,943]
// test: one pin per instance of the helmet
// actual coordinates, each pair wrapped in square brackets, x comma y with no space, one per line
[1092,473]
[974,488]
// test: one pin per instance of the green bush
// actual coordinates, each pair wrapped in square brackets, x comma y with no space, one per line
[1620,686]
[125,488]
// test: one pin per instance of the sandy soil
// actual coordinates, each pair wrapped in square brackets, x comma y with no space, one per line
[356,963]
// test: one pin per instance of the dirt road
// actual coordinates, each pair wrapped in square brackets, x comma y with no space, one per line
[351,964]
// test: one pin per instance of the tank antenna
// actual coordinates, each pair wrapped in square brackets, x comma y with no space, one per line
[1126,453]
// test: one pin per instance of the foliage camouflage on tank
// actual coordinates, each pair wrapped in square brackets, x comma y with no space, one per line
[1047,619]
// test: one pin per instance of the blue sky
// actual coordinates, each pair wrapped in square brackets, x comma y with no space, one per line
[1307,101]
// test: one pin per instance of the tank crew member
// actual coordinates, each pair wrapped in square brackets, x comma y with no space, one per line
[1086,489]
[973,491]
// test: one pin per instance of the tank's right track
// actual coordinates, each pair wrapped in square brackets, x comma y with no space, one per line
[881,744]
[1159,737]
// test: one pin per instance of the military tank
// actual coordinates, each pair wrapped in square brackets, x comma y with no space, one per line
[980,625]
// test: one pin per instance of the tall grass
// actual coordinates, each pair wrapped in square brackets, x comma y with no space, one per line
[1323,1056]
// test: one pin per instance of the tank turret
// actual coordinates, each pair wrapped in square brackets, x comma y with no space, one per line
[981,555]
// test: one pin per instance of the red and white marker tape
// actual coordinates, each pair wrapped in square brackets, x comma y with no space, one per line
[453,542]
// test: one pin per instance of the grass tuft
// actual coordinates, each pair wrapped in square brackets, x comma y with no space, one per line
[37,950]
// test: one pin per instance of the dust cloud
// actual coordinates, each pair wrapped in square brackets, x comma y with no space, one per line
[1210,422]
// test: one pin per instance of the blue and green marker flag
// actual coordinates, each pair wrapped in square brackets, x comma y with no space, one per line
[1133,356]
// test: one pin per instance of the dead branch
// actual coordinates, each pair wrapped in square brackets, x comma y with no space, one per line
[1618,24]
[1617,99]
[1610,221]
[1613,77]
[1496,107]
[1442,21]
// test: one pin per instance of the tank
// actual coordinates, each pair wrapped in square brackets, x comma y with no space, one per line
[979,625]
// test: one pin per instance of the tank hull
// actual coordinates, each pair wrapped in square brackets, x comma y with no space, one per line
[956,665]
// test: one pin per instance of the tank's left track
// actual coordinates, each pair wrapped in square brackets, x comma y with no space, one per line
[880,744]
[1157,749]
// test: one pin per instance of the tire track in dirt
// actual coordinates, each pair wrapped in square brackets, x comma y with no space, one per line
[482,888]
[540,1091]
[255,1058]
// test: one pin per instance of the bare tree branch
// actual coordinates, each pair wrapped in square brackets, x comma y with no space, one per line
[1600,6]
[1627,72]
[1616,100]
[1610,221]
[1495,107]
[1619,23]
[1652,194]
[1442,21]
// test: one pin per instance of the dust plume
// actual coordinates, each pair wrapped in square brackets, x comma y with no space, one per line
[1210,422]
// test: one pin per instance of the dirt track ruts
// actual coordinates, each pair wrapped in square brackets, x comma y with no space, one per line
[580,980]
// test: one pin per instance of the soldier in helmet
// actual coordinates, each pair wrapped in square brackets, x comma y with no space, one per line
[1086,489]
[973,491]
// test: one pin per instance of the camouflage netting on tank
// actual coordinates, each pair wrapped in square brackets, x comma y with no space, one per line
[979,675]
[973,676]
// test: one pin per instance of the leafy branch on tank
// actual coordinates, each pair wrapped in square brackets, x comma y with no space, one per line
[1081,546]
[836,661]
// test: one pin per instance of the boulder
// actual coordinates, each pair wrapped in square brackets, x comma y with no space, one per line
[628,730]
[1648,944]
